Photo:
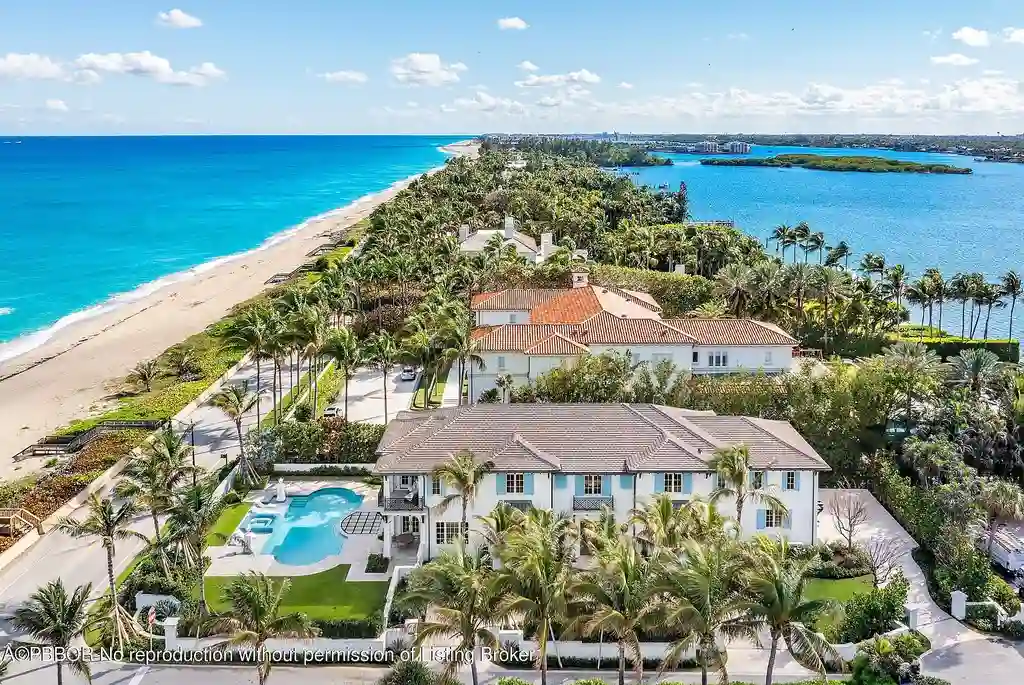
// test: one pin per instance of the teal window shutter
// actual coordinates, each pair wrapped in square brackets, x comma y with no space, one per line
[606,486]
[625,482]
[714,480]
[527,483]
[761,519]
[561,481]
[502,488]
[787,522]
[687,483]
[797,481]
[579,486]
[659,482]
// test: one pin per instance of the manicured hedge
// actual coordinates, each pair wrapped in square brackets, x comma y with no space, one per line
[948,347]
[676,293]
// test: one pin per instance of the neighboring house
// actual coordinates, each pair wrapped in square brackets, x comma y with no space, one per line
[526,247]
[526,332]
[579,458]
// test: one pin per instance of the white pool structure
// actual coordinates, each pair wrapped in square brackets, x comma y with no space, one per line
[303,534]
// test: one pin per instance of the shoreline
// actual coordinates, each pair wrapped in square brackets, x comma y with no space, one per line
[81,362]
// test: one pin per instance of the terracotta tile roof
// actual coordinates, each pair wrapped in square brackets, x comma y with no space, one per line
[732,332]
[607,328]
[586,438]
[557,345]
[636,297]
[516,337]
[569,306]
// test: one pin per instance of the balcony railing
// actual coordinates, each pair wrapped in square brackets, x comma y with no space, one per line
[591,503]
[520,504]
[399,500]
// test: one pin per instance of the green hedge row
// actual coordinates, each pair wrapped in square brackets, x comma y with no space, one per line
[1006,350]
[676,293]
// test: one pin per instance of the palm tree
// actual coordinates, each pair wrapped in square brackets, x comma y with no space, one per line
[779,604]
[733,284]
[144,373]
[735,479]
[896,282]
[703,604]
[913,367]
[801,233]
[255,617]
[183,361]
[974,368]
[814,243]
[1013,288]
[462,475]
[832,286]
[781,236]
[465,350]
[343,347]
[497,525]
[193,513]
[1001,500]
[110,524]
[505,384]
[236,401]
[58,621]
[253,332]
[662,524]
[618,599]
[459,589]
[959,291]
[149,479]
[537,571]
[872,263]
[383,354]
[420,347]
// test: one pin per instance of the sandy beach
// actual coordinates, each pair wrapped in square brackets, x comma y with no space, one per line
[69,376]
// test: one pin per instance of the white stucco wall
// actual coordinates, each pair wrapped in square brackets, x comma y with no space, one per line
[681,355]
[496,318]
[770,358]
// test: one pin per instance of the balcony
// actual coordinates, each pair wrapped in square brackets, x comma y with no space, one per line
[399,500]
[591,503]
[520,504]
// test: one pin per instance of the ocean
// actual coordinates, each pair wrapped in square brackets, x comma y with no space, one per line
[88,223]
[951,222]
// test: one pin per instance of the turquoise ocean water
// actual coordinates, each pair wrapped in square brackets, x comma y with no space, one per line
[88,223]
[951,222]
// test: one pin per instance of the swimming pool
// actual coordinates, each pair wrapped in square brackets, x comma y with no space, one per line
[310,529]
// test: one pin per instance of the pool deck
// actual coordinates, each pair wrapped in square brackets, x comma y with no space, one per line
[230,560]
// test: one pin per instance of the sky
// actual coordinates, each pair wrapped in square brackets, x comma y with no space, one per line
[69,67]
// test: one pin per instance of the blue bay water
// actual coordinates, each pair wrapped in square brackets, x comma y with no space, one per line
[82,219]
[952,222]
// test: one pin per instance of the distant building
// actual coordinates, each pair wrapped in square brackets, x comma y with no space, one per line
[526,246]
[708,146]
[738,147]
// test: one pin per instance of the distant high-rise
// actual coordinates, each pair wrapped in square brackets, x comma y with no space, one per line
[738,147]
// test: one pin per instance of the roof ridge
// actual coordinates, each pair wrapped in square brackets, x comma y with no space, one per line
[536,451]
[491,294]
[626,295]
[750,421]
[770,327]
[666,437]
[680,332]
[554,334]
[690,426]
[441,425]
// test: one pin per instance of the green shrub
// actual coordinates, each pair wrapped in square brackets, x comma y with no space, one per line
[834,561]
[512,681]
[873,613]
[910,646]
[676,293]
[1014,630]
[350,443]
[1004,594]
[948,347]
[377,563]
[349,628]
[589,681]
[409,673]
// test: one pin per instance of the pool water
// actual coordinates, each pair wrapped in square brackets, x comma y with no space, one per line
[310,529]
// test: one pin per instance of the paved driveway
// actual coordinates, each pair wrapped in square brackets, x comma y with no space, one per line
[366,396]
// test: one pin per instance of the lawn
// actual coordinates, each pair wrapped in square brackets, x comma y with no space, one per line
[839,590]
[438,394]
[226,524]
[320,596]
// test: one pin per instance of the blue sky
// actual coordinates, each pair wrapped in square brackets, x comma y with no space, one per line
[455,66]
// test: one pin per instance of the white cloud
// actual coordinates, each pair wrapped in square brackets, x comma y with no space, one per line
[581,76]
[30,66]
[512,24]
[527,65]
[932,35]
[976,38]
[449,109]
[176,19]
[992,72]
[549,101]
[1013,35]
[738,36]
[955,60]
[626,86]
[425,69]
[694,84]
[148,65]
[345,77]
[485,102]
[56,105]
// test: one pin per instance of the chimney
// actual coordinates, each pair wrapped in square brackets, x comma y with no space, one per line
[580,279]
[510,227]
[546,245]
[463,233]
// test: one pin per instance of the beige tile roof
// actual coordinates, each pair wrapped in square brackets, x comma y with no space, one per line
[586,438]
[476,242]
[602,329]
[732,332]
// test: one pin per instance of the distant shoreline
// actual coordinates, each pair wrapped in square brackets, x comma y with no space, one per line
[842,163]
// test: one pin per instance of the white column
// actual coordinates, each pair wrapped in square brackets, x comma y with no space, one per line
[171,633]
[388,525]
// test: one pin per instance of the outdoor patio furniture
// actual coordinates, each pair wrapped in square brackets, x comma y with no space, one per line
[405,539]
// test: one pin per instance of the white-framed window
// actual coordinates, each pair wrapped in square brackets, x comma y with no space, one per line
[512,318]
[407,482]
[446,532]
[673,482]
[410,524]
[768,357]
[501,363]
[789,480]
[758,481]
[435,486]
[696,357]
[515,483]
[718,359]
[592,485]
[774,518]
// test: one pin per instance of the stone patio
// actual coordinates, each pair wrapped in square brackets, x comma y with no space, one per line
[230,560]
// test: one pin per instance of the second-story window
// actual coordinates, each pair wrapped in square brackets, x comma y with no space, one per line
[791,480]
[435,486]
[515,483]
[501,363]
[696,357]
[673,482]
[592,485]
[758,480]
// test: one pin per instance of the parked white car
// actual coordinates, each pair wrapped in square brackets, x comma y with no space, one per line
[331,412]
[1007,550]
[408,373]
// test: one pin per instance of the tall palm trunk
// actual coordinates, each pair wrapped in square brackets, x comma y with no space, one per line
[1013,303]
[988,316]
[941,303]
[60,673]
[384,376]
[110,574]
[258,379]
[622,663]
[346,372]
[771,658]
[963,316]
[273,390]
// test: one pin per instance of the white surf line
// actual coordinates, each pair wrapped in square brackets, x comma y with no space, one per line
[139,675]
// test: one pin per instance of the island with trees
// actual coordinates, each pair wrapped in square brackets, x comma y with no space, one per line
[841,163]
[599,152]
